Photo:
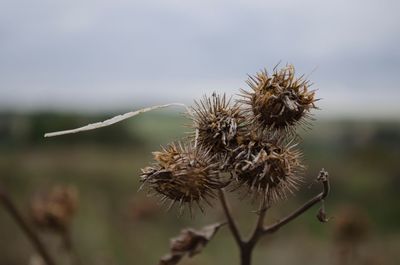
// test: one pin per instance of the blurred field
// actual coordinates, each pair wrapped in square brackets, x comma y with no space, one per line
[118,225]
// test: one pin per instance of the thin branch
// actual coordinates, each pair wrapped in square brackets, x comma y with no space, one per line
[324,178]
[32,236]
[231,221]
[258,228]
[261,213]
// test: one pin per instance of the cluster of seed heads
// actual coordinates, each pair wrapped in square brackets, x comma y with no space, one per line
[246,143]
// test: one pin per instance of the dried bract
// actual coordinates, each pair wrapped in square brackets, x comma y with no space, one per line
[218,123]
[267,166]
[190,242]
[183,174]
[279,101]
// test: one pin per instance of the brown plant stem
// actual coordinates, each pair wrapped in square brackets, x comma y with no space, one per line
[259,225]
[246,247]
[10,207]
[231,222]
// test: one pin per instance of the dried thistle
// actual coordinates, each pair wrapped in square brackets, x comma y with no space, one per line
[249,141]
[55,210]
[267,166]
[218,122]
[183,174]
[279,101]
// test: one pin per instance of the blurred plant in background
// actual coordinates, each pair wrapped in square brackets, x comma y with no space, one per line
[54,211]
[351,230]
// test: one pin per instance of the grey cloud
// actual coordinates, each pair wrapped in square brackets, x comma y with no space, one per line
[89,53]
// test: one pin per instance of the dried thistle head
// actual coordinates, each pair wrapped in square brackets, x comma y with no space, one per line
[266,166]
[183,174]
[279,101]
[217,122]
[56,209]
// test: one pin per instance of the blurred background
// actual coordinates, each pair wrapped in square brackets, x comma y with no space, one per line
[65,64]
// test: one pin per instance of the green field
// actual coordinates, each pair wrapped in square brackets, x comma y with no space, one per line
[116,224]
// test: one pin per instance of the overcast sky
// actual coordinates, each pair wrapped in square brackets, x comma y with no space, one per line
[100,55]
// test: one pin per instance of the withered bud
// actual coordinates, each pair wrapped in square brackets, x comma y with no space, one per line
[218,122]
[183,174]
[266,166]
[189,242]
[279,101]
[55,209]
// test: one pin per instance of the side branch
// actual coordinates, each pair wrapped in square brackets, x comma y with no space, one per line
[32,236]
[231,221]
[322,177]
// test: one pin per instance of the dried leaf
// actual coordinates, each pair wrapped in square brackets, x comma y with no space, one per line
[111,121]
[321,215]
[170,259]
[190,242]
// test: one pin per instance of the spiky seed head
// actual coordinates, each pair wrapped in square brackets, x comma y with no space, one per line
[218,123]
[266,166]
[279,101]
[183,174]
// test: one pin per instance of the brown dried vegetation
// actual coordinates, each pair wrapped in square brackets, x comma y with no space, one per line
[280,100]
[183,174]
